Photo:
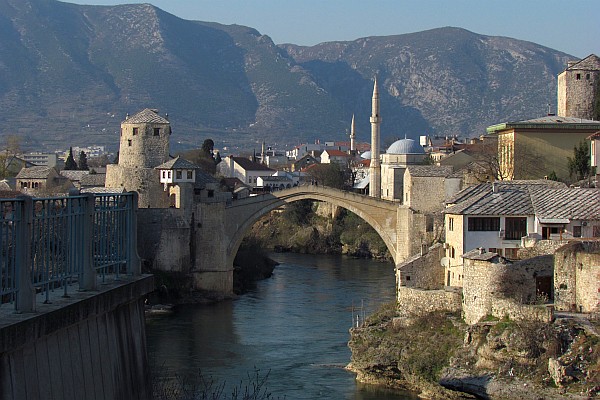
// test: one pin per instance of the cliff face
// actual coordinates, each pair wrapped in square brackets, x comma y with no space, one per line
[440,357]
[75,71]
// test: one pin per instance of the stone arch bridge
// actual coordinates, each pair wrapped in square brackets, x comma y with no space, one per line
[401,228]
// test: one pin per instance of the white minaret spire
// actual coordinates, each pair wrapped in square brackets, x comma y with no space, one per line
[375,168]
[352,136]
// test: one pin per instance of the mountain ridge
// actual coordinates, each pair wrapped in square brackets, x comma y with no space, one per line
[70,73]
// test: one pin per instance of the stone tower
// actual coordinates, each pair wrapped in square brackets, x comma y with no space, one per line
[375,168]
[577,88]
[144,145]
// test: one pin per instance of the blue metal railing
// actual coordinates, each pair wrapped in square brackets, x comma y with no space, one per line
[52,244]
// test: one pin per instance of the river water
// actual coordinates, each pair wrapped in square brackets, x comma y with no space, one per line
[293,327]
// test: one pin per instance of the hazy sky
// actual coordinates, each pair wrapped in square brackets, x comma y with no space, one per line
[569,26]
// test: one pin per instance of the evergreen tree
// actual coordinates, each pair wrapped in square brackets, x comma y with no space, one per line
[83,165]
[579,165]
[70,163]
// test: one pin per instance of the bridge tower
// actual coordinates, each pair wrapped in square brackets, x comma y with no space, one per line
[144,145]
[578,87]
[375,168]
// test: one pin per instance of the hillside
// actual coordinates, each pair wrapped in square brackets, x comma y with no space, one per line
[70,73]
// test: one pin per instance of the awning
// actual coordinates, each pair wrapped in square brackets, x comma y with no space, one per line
[362,184]
[560,221]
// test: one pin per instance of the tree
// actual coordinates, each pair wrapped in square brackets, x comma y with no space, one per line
[83,164]
[70,163]
[208,147]
[579,165]
[331,175]
[11,148]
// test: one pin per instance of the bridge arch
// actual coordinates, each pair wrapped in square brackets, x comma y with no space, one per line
[242,214]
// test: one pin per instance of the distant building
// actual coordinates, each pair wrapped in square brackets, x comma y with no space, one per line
[331,156]
[244,169]
[41,159]
[37,179]
[534,148]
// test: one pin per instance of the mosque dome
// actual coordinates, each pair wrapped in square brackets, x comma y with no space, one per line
[366,155]
[405,146]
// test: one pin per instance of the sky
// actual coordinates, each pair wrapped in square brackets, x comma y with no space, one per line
[572,27]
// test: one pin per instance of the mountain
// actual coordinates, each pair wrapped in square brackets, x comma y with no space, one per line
[70,73]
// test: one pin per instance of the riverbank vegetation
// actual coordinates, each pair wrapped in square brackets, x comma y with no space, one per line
[312,227]
[441,357]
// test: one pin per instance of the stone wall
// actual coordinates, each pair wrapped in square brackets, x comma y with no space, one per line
[422,271]
[417,302]
[145,149]
[144,181]
[577,277]
[164,239]
[486,285]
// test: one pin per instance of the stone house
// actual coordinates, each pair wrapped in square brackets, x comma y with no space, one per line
[74,176]
[244,169]
[37,179]
[503,217]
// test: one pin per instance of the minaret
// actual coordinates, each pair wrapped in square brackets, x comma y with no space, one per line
[262,153]
[375,168]
[352,136]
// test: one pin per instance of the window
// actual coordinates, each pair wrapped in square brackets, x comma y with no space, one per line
[577,231]
[452,252]
[596,230]
[211,193]
[156,131]
[189,175]
[178,174]
[169,174]
[164,174]
[515,227]
[129,142]
[578,76]
[451,224]
[587,77]
[136,131]
[493,250]
[511,253]
[487,224]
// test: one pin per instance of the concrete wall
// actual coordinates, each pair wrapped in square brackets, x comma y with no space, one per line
[577,277]
[91,346]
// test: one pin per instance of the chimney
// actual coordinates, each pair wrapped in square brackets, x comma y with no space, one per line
[481,250]
[494,187]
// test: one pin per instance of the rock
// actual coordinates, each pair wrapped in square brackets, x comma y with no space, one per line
[560,373]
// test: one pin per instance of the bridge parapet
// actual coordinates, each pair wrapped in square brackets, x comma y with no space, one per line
[64,244]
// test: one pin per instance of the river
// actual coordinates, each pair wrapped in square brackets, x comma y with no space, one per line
[293,327]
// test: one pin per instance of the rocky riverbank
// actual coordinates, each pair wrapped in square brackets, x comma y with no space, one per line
[440,357]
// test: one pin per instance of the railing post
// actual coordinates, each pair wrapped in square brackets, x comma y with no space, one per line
[134,264]
[25,301]
[88,272]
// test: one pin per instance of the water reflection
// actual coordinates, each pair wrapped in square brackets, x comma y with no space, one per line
[294,325]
